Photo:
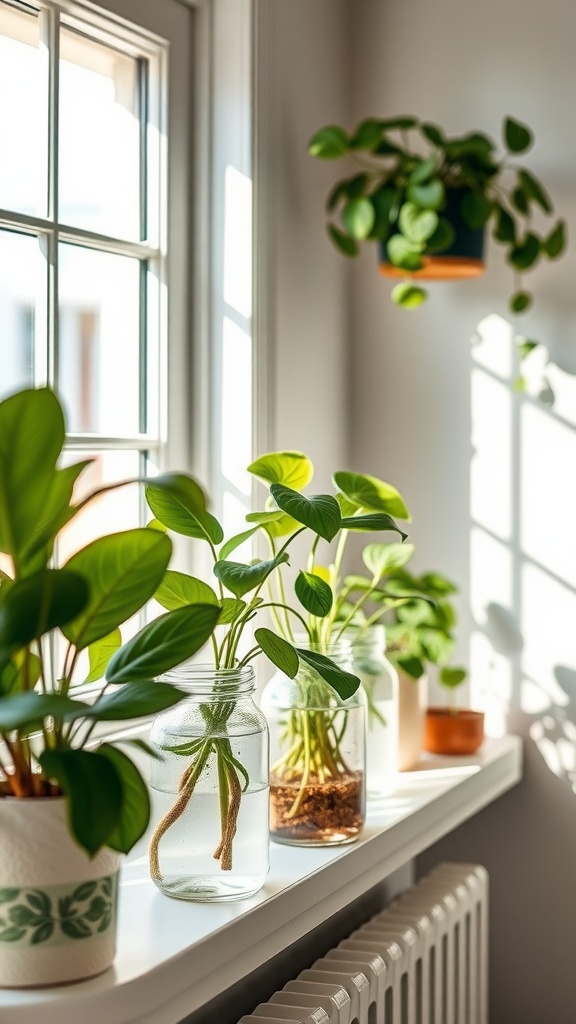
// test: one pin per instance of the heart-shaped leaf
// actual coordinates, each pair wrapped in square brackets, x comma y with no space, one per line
[404,254]
[313,593]
[178,590]
[329,143]
[516,135]
[124,570]
[240,579]
[535,190]
[452,677]
[368,492]
[408,296]
[180,503]
[417,225]
[525,254]
[345,244]
[427,194]
[291,468]
[381,559]
[358,217]
[167,641]
[555,243]
[279,651]
[320,513]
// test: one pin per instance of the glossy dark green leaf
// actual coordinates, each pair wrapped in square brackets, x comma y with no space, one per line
[94,791]
[372,521]
[505,229]
[167,641]
[21,710]
[384,204]
[124,570]
[427,194]
[417,225]
[344,683]
[33,606]
[99,654]
[279,651]
[240,578]
[520,302]
[231,607]
[347,245]
[409,664]
[535,190]
[320,513]
[517,136]
[476,209]
[367,135]
[452,677]
[291,468]
[370,493]
[433,133]
[329,143]
[31,439]
[408,296]
[404,254]
[135,700]
[177,590]
[555,243]
[358,217]
[403,123]
[56,513]
[526,253]
[519,200]
[135,816]
[235,542]
[179,503]
[313,593]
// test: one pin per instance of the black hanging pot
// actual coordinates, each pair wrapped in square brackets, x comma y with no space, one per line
[463,259]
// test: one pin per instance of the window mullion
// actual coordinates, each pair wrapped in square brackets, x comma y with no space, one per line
[50,30]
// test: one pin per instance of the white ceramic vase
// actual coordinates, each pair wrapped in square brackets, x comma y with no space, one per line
[57,905]
[412,704]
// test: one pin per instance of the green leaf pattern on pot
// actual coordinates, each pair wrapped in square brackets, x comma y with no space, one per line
[58,914]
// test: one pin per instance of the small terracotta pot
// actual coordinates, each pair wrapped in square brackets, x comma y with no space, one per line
[453,731]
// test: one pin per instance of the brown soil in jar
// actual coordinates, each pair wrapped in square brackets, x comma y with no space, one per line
[329,812]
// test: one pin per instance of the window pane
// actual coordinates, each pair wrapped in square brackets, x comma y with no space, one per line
[23,113]
[22,311]
[98,356]
[99,138]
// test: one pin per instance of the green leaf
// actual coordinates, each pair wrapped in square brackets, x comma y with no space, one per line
[429,194]
[313,593]
[520,301]
[275,522]
[403,253]
[384,201]
[180,504]
[94,791]
[344,683]
[134,700]
[442,238]
[320,513]
[423,171]
[417,225]
[411,665]
[408,296]
[240,579]
[368,492]
[329,143]
[347,506]
[231,609]
[279,651]
[380,558]
[21,711]
[167,641]
[403,123]
[476,209]
[99,654]
[178,590]
[433,133]
[347,245]
[372,521]
[124,570]
[291,468]
[555,243]
[56,513]
[533,189]
[519,200]
[235,542]
[368,135]
[437,645]
[35,605]
[135,800]
[31,439]
[517,136]
[358,217]
[452,677]
[505,230]
[526,253]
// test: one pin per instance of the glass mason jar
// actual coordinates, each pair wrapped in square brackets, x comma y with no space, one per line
[317,755]
[380,682]
[209,789]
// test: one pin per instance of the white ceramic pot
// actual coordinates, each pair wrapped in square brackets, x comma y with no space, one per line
[412,704]
[57,905]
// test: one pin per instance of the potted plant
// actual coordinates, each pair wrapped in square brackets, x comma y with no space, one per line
[198,740]
[70,803]
[427,200]
[450,729]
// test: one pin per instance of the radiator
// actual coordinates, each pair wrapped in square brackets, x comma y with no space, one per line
[422,960]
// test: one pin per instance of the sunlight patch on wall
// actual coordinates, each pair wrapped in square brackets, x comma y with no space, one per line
[238,241]
[494,345]
[547,626]
[236,417]
[491,468]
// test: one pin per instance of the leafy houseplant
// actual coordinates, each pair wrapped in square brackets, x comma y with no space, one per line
[418,192]
[241,591]
[47,722]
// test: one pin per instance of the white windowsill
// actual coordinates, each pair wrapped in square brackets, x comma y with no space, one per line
[173,956]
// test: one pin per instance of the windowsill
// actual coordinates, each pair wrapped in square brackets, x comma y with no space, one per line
[173,956]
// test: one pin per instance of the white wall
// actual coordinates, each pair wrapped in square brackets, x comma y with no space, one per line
[490,477]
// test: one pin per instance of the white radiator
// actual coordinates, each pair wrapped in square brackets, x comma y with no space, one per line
[422,960]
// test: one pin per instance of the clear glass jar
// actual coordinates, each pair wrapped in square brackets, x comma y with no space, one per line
[209,790]
[380,682]
[317,755]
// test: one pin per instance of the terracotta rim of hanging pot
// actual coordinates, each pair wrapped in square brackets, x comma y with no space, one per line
[453,731]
